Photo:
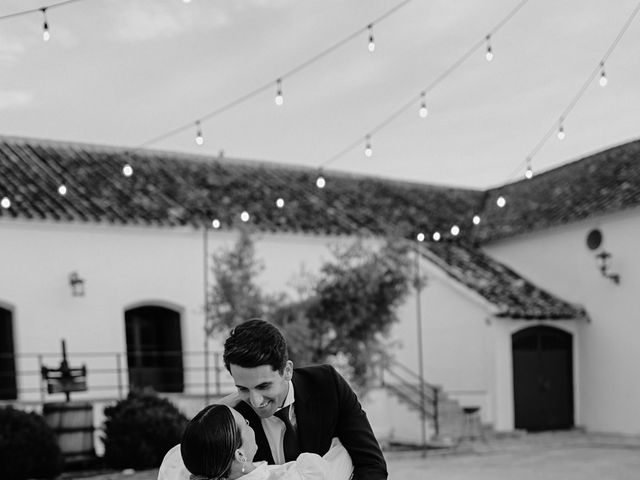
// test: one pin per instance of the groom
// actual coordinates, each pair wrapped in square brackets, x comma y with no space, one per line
[296,410]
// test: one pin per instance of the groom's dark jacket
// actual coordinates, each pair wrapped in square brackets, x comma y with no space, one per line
[326,407]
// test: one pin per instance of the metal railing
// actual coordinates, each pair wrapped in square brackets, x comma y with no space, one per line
[113,374]
[408,386]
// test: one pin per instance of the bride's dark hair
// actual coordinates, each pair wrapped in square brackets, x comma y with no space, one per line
[209,442]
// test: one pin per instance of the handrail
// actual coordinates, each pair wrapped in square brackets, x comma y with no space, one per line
[426,397]
[114,371]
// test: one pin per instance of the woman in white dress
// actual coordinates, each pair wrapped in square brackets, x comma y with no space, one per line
[218,444]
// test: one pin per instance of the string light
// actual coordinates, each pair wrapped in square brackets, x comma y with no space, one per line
[476,219]
[244,216]
[372,43]
[423,112]
[436,236]
[420,237]
[561,133]
[199,137]
[320,182]
[528,174]
[45,26]
[455,230]
[368,151]
[215,223]
[501,201]
[62,189]
[127,170]
[279,98]
[603,76]
[5,202]
[489,54]
[280,203]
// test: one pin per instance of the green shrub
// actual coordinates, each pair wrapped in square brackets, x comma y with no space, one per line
[140,429]
[28,446]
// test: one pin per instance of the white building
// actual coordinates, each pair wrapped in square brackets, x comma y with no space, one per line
[516,317]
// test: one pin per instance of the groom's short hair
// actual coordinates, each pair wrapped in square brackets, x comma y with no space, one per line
[255,343]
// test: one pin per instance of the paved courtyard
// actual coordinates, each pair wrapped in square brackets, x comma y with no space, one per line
[545,456]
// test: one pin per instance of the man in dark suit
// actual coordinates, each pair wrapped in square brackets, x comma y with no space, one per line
[297,410]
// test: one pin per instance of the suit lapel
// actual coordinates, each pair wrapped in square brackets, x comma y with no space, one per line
[307,420]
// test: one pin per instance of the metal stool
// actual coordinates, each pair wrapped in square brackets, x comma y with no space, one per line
[471,424]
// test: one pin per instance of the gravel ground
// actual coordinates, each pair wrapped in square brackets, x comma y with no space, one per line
[545,456]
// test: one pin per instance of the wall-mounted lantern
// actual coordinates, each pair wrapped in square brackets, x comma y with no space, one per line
[77,284]
[594,242]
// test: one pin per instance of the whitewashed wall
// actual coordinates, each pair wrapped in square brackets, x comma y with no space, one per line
[457,340]
[608,392]
[129,266]
[123,267]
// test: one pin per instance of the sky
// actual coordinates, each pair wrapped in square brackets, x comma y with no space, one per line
[126,72]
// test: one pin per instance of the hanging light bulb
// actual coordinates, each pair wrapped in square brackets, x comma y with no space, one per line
[561,133]
[489,54]
[186,1]
[215,223]
[62,189]
[280,203]
[455,230]
[501,201]
[320,182]
[420,237]
[279,98]
[372,43]
[423,112]
[528,174]
[127,170]
[476,219]
[244,216]
[603,76]
[45,26]
[5,203]
[436,236]
[199,137]
[368,151]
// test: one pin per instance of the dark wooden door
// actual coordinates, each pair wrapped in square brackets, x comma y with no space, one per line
[543,379]
[8,389]
[154,348]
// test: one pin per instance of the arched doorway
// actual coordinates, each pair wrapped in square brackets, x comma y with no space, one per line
[8,388]
[154,348]
[543,378]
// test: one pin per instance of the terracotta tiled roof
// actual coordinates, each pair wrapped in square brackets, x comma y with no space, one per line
[172,189]
[608,181]
[511,295]
[177,189]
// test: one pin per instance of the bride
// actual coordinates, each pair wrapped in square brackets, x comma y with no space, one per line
[218,444]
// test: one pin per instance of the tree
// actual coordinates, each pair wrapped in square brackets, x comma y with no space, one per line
[352,308]
[344,313]
[234,296]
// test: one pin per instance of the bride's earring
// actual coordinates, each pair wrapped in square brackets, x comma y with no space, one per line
[244,462]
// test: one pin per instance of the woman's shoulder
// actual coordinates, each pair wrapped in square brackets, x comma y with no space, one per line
[172,467]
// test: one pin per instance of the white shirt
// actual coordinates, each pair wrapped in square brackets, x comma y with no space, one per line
[334,465]
[274,427]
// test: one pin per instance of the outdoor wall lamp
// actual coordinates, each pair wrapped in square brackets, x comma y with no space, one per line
[77,284]
[594,241]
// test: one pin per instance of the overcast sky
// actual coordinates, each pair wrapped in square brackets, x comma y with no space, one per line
[123,72]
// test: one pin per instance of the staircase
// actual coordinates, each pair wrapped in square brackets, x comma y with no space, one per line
[443,415]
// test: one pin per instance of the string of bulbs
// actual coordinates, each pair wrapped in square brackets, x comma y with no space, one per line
[46,34]
[558,126]
[422,111]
